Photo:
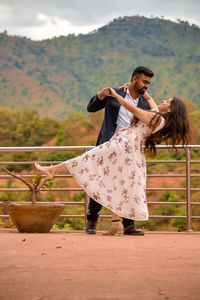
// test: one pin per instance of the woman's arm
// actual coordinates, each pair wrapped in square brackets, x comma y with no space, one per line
[150,100]
[143,115]
[146,96]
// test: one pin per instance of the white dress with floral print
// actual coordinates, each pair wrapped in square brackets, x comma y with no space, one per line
[114,173]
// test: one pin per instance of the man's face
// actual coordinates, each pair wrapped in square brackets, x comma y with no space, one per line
[141,83]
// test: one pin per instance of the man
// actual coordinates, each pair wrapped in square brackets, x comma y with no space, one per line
[117,117]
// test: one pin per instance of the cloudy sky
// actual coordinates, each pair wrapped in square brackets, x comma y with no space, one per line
[42,19]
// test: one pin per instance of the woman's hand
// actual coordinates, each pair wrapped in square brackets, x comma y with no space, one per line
[112,92]
[107,91]
[125,86]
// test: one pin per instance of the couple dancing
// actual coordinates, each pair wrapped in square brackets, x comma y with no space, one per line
[113,174]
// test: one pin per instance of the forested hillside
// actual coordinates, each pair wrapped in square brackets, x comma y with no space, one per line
[60,75]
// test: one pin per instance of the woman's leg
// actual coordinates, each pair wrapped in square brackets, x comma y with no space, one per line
[116,226]
[50,171]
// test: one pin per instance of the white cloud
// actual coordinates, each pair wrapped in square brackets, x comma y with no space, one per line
[40,19]
[5,13]
[53,26]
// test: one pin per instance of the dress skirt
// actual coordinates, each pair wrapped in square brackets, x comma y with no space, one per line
[114,173]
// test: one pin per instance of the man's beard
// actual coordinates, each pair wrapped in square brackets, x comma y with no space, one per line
[142,91]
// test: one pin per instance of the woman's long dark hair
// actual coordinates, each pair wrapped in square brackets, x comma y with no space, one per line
[176,130]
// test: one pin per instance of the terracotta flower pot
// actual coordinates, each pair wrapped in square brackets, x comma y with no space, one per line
[39,217]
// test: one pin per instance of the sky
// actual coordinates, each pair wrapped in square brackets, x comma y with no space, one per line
[43,19]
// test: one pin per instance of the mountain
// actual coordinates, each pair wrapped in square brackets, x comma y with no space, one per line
[59,75]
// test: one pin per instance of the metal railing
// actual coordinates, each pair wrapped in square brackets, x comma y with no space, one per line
[188,175]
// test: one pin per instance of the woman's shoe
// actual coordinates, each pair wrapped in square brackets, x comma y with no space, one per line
[115,228]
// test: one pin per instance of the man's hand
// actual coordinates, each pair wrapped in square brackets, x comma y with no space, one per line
[103,93]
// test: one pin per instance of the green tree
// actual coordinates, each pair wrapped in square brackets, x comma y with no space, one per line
[73,129]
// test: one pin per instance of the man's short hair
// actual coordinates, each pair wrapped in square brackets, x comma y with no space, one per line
[142,70]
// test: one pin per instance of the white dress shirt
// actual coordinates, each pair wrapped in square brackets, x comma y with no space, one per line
[125,116]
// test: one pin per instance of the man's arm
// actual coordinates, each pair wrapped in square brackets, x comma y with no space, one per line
[98,101]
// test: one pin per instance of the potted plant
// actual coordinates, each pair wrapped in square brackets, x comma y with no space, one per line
[33,216]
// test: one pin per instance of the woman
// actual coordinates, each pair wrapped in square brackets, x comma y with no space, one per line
[114,173]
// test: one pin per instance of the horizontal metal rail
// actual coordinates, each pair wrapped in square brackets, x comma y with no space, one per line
[80,189]
[57,161]
[148,202]
[50,190]
[109,216]
[81,148]
[188,189]
[66,175]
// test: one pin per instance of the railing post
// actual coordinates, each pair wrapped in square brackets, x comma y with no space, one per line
[188,189]
[86,204]
[86,207]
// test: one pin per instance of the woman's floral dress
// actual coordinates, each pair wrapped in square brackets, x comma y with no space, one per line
[114,173]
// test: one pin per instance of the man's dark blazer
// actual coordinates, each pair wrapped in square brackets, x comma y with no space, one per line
[112,107]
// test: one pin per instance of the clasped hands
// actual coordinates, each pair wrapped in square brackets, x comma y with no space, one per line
[108,91]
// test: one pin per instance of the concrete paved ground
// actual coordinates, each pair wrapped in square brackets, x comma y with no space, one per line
[73,265]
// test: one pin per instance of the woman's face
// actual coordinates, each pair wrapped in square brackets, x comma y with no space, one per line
[165,106]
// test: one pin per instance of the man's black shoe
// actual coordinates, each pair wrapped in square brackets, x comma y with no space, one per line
[133,230]
[91,227]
